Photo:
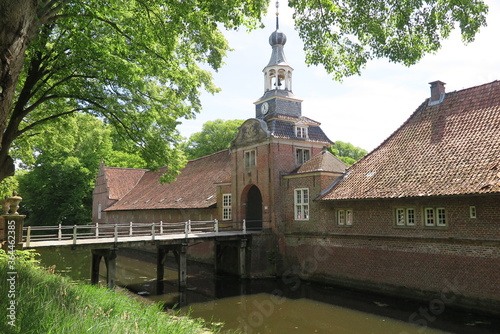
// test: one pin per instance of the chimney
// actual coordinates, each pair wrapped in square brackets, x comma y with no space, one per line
[437,92]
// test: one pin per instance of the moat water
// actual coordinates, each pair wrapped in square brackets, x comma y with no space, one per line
[274,305]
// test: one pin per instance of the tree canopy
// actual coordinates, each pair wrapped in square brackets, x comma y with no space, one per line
[215,136]
[138,64]
[347,152]
[344,35]
[61,166]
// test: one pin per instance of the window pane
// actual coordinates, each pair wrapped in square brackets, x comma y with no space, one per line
[410,217]
[299,212]
[473,212]
[441,216]
[341,217]
[306,155]
[298,197]
[429,217]
[400,217]
[305,195]
[348,217]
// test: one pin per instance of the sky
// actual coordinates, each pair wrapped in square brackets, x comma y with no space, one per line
[362,110]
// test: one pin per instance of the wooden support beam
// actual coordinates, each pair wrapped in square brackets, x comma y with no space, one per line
[160,262]
[183,265]
[109,256]
[111,268]
[242,269]
[94,273]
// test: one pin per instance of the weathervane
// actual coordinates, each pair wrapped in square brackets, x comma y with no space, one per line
[277,14]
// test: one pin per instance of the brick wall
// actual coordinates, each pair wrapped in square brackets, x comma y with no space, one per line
[419,261]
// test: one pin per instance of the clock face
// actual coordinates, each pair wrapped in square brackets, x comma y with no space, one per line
[264,108]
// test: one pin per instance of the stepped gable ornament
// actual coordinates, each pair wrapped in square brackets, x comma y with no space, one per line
[252,131]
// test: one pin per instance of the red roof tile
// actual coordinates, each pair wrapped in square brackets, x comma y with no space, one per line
[121,180]
[451,148]
[322,162]
[194,187]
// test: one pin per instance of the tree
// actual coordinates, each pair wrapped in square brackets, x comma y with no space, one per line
[214,136]
[344,35]
[61,167]
[347,152]
[136,63]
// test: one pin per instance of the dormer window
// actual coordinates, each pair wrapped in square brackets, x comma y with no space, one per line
[301,132]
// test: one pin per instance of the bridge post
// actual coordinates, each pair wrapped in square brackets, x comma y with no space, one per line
[183,265]
[94,269]
[242,270]
[160,262]
[110,260]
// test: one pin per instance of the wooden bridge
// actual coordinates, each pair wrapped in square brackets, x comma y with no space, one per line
[105,239]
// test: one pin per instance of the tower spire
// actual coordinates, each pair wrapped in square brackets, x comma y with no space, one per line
[277,14]
[278,97]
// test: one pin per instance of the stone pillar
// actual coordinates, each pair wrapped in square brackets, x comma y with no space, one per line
[11,224]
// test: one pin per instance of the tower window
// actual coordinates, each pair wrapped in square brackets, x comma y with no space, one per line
[250,160]
[302,155]
[301,132]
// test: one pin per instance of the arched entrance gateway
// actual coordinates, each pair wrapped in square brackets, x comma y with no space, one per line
[252,199]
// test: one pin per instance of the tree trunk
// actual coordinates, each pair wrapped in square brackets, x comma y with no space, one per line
[18,26]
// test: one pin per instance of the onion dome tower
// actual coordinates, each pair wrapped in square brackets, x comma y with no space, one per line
[278,97]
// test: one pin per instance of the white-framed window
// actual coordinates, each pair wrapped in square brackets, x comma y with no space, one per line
[405,217]
[301,132]
[344,217]
[301,204]
[250,158]
[302,155]
[435,217]
[227,212]
[472,212]
[441,217]
[430,219]
[99,211]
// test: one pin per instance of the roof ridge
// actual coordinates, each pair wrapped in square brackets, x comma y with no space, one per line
[209,155]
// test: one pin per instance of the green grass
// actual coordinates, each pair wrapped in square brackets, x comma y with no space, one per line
[48,303]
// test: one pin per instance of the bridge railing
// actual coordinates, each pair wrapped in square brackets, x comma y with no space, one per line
[99,231]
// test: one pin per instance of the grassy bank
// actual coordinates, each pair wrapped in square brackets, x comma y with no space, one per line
[36,301]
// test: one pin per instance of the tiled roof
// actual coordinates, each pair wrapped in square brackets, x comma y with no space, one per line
[121,180]
[451,148]
[284,127]
[194,187]
[322,162]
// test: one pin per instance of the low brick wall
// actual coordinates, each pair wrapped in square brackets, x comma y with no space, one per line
[458,272]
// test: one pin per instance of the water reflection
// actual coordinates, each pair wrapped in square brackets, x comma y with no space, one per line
[269,306]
